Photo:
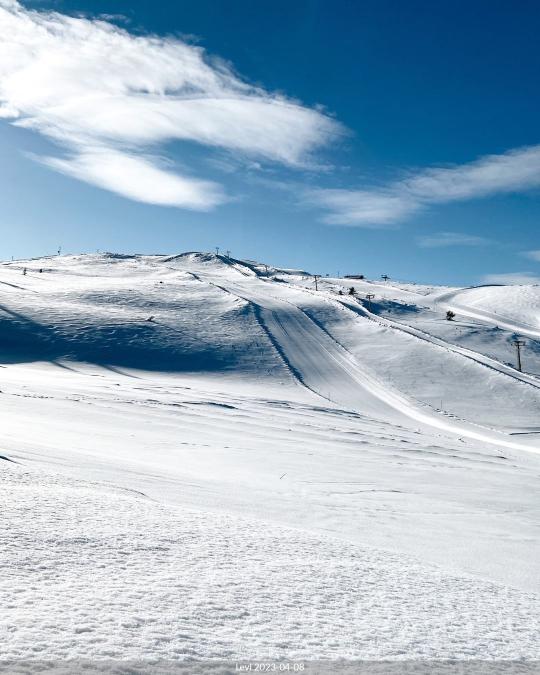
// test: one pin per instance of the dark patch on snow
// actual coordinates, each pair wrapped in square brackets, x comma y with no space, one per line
[119,256]
[213,403]
[132,344]
[392,307]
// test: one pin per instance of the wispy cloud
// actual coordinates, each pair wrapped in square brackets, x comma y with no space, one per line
[137,178]
[443,239]
[119,18]
[363,208]
[532,255]
[111,99]
[511,278]
[514,171]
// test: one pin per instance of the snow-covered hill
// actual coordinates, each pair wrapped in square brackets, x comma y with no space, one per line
[211,385]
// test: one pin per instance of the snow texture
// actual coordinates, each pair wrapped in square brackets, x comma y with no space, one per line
[184,584]
[205,458]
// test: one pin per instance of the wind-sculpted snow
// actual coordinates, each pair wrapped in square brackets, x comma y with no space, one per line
[120,313]
[90,571]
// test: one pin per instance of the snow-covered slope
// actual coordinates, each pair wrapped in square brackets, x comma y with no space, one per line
[97,309]
[182,584]
[513,307]
[234,387]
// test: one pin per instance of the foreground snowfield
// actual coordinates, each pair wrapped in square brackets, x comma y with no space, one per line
[112,574]
[262,470]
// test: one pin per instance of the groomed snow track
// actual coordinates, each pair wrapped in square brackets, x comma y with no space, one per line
[322,364]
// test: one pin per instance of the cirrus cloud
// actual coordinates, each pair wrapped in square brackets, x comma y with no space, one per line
[110,99]
[517,170]
[532,255]
[445,239]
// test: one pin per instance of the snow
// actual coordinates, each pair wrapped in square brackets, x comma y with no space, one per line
[185,584]
[262,470]
[514,308]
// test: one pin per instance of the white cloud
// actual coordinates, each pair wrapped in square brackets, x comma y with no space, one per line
[109,97]
[361,207]
[443,239]
[514,171]
[137,178]
[532,255]
[511,278]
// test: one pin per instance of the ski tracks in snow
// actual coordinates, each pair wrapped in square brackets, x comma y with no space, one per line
[325,366]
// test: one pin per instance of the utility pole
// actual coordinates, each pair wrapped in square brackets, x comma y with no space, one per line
[519,344]
[369,298]
[385,277]
[228,254]
[317,277]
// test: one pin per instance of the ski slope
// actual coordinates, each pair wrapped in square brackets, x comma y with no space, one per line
[512,307]
[200,388]
[323,364]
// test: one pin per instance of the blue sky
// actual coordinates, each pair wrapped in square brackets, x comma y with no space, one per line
[372,136]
